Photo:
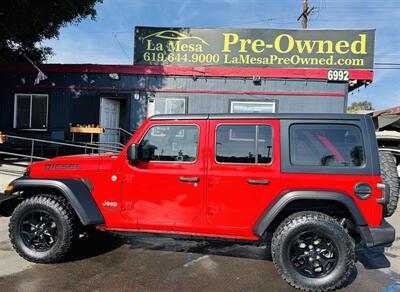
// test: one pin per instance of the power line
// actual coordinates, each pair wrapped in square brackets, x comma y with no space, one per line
[361,8]
[120,45]
[263,20]
[387,64]
[388,68]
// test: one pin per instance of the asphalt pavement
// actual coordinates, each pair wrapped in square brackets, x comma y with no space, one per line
[146,263]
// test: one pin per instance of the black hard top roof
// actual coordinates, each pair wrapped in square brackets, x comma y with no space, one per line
[302,116]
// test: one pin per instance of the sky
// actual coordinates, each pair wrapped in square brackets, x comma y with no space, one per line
[109,38]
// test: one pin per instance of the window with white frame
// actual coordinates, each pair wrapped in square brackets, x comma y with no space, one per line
[166,105]
[250,106]
[31,111]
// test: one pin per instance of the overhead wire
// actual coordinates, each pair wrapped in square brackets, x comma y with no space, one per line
[122,48]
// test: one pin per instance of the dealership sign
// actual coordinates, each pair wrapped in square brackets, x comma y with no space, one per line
[274,48]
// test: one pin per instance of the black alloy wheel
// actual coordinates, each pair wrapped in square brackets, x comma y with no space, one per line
[313,252]
[43,228]
[313,255]
[38,230]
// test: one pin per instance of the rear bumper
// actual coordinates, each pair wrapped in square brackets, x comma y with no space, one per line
[382,235]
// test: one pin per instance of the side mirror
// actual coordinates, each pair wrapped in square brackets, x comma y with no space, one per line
[132,153]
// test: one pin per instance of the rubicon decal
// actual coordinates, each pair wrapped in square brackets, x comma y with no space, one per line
[71,166]
[333,49]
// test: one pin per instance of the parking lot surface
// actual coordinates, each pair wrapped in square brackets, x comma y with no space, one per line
[146,263]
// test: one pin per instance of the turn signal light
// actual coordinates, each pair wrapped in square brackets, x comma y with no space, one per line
[27,171]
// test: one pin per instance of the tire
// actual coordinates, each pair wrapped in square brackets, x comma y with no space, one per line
[52,219]
[288,239]
[390,176]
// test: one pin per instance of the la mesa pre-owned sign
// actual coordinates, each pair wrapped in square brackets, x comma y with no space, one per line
[276,48]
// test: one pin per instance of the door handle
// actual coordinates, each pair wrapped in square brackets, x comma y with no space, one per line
[258,182]
[189,179]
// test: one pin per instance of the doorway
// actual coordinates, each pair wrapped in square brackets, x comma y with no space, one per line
[109,119]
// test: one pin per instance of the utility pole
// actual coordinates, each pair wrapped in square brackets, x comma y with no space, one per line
[304,15]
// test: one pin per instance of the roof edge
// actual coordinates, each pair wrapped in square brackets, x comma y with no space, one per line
[205,71]
[297,116]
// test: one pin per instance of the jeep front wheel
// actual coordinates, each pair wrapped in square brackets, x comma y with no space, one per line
[42,229]
[312,251]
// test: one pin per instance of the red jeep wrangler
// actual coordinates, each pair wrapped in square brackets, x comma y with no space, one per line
[309,183]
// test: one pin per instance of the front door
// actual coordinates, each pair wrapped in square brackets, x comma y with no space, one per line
[109,119]
[243,171]
[166,186]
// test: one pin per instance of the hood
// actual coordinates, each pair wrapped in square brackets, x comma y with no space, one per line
[83,157]
[70,165]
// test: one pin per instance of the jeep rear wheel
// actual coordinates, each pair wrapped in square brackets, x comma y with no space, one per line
[389,176]
[312,251]
[42,229]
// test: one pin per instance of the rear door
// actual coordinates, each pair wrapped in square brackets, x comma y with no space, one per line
[243,171]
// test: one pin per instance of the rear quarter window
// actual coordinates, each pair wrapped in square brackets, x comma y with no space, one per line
[326,145]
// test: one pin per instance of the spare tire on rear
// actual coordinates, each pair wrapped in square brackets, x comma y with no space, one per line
[390,176]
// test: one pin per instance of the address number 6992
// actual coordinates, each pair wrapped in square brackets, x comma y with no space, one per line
[338,75]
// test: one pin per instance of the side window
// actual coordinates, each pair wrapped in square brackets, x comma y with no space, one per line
[252,106]
[237,144]
[326,145]
[166,105]
[173,143]
[30,111]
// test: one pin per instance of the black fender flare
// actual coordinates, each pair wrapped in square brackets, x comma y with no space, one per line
[282,201]
[76,191]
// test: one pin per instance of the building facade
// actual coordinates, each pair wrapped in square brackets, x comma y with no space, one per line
[116,96]
[185,71]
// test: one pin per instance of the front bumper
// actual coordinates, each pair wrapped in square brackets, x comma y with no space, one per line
[6,204]
[4,196]
[382,235]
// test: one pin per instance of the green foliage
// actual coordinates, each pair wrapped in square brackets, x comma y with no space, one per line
[24,24]
[361,105]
